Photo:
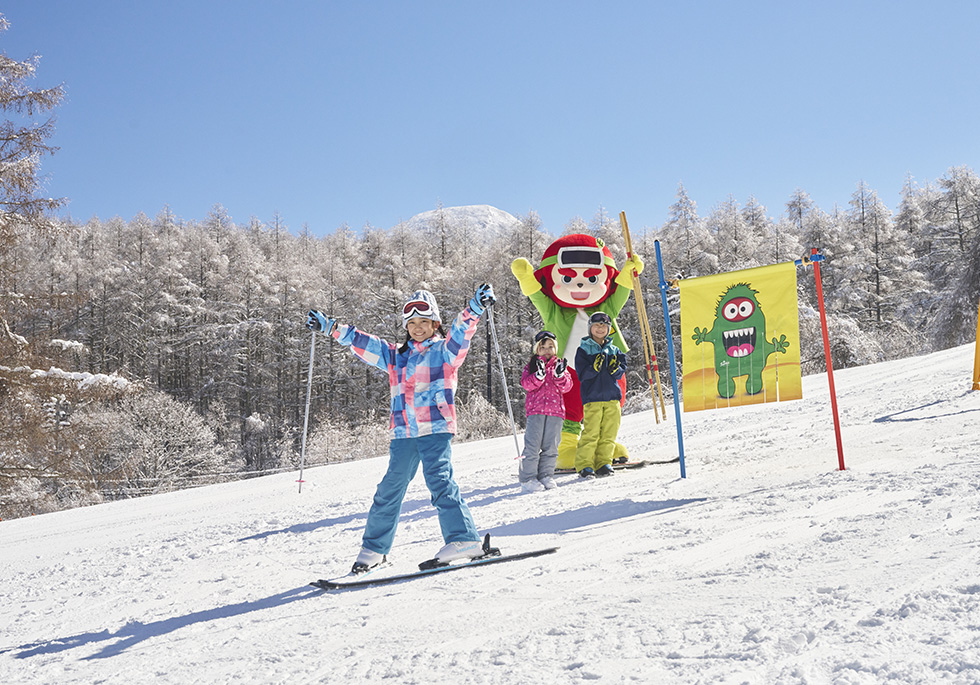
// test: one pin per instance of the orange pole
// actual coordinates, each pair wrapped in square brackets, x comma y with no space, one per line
[976,357]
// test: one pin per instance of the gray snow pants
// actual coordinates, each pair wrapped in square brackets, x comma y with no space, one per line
[540,447]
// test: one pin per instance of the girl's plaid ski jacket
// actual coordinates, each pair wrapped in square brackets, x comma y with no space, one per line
[422,378]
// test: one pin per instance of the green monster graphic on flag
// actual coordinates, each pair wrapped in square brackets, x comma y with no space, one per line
[740,338]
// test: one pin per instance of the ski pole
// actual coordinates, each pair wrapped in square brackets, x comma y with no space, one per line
[503,377]
[306,418]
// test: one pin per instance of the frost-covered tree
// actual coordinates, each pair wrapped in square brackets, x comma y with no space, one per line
[957,209]
[25,129]
[955,321]
[912,221]
[953,219]
[869,223]
[687,246]
[446,233]
[248,335]
[798,207]
[148,442]
[827,233]
[894,291]
[954,241]
[910,217]
[608,229]
[529,240]
[774,241]
[768,246]
[740,234]
[575,225]
[24,133]
[46,446]
[102,321]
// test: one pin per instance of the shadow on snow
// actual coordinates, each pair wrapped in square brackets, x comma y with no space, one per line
[894,418]
[583,517]
[412,510]
[135,632]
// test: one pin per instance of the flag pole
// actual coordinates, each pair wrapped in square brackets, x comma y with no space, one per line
[670,357]
[649,354]
[815,259]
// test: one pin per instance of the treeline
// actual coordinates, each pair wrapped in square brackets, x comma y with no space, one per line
[144,355]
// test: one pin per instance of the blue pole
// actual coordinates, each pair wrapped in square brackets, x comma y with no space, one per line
[670,357]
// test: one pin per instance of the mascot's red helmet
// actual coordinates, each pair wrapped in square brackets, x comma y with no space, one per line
[576,251]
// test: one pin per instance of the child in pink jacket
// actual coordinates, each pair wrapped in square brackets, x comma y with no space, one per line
[545,379]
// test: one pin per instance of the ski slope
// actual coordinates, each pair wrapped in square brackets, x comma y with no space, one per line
[765,565]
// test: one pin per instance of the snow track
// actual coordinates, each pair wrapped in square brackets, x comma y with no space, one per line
[766,565]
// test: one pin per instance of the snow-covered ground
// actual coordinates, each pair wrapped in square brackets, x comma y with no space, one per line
[766,565]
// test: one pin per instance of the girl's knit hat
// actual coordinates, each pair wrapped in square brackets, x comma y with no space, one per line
[421,305]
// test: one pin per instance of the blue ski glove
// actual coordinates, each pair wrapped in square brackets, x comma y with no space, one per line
[318,321]
[483,298]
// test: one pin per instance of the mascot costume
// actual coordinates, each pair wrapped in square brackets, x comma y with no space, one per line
[576,278]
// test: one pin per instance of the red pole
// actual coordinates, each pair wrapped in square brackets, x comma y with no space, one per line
[830,364]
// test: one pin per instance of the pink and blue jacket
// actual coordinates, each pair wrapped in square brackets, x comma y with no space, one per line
[545,396]
[422,378]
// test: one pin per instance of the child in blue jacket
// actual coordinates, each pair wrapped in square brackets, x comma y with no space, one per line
[599,365]
[422,373]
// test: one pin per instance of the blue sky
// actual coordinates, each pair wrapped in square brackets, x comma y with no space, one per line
[371,112]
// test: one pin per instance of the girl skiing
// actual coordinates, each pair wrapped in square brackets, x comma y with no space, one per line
[422,373]
[545,379]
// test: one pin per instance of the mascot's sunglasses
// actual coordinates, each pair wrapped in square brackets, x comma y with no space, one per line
[417,308]
[580,256]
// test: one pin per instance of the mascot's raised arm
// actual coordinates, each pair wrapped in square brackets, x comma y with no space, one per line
[576,278]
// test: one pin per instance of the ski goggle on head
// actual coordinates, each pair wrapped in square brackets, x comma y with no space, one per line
[541,338]
[417,308]
[600,317]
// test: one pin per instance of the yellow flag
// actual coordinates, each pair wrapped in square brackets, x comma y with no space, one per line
[740,338]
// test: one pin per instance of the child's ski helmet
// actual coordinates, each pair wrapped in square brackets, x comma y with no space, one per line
[421,305]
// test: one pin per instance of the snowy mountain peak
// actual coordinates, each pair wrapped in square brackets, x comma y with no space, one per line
[484,220]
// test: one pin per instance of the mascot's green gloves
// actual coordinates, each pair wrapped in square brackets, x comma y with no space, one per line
[625,277]
[524,272]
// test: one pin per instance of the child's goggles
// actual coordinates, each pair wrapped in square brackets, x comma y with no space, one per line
[417,308]
[600,317]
